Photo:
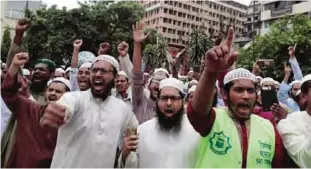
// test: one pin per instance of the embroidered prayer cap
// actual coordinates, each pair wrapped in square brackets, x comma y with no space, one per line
[123,73]
[50,64]
[60,70]
[86,65]
[192,89]
[62,80]
[156,71]
[68,69]
[109,59]
[276,82]
[26,72]
[298,92]
[239,73]
[172,82]
[267,79]
[305,80]
[294,82]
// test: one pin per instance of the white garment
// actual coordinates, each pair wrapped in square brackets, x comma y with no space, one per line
[90,138]
[158,149]
[295,131]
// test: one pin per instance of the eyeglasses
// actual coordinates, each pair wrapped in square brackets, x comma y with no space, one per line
[102,71]
[172,98]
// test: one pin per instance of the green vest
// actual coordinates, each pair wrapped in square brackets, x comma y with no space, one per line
[221,148]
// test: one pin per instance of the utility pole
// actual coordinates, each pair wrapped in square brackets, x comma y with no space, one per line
[253,28]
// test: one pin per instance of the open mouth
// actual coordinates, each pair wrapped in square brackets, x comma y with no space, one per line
[98,84]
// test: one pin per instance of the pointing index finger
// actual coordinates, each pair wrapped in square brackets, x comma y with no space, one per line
[229,37]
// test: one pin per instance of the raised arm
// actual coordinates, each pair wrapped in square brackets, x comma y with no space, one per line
[138,76]
[294,64]
[284,87]
[216,60]
[125,62]
[74,65]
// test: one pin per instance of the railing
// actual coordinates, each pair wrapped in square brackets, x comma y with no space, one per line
[279,12]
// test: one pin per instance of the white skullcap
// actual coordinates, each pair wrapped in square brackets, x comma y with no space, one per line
[109,59]
[266,79]
[161,70]
[276,82]
[60,70]
[62,80]
[305,79]
[146,74]
[172,82]
[294,82]
[26,72]
[258,77]
[192,89]
[193,82]
[191,71]
[86,65]
[123,73]
[239,73]
[68,69]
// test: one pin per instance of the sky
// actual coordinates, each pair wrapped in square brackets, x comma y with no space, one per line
[73,3]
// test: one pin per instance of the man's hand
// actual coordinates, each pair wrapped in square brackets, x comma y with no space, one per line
[130,144]
[123,48]
[138,32]
[54,116]
[77,43]
[278,112]
[291,50]
[21,26]
[20,59]
[287,70]
[104,48]
[219,58]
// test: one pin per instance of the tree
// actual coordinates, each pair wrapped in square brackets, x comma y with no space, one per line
[53,30]
[198,44]
[274,44]
[6,42]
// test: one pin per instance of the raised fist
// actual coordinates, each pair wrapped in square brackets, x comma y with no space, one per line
[22,25]
[123,48]
[20,59]
[104,48]
[77,43]
[54,116]
[291,50]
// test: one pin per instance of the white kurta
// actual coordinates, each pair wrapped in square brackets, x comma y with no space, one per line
[90,138]
[295,131]
[158,149]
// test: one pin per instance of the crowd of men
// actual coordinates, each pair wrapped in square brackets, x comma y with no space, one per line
[109,113]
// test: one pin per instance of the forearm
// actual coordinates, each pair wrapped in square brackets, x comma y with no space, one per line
[203,96]
[137,57]
[126,65]
[75,58]
[296,68]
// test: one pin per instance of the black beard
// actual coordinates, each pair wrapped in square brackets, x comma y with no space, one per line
[172,123]
[38,87]
[106,92]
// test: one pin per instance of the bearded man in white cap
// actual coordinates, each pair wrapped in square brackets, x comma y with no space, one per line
[295,129]
[59,72]
[90,122]
[167,141]
[233,137]
[144,99]
[31,146]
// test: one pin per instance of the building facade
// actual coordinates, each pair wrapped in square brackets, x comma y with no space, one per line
[175,19]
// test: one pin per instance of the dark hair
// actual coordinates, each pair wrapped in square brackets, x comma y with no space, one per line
[305,87]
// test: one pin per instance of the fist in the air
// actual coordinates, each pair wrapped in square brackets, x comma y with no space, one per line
[54,116]
[22,25]
[20,59]
[77,43]
[123,48]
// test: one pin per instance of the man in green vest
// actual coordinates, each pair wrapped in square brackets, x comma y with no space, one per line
[232,137]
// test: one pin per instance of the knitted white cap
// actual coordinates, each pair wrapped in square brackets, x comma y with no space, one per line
[294,82]
[192,89]
[123,73]
[26,72]
[60,70]
[109,59]
[266,79]
[305,79]
[161,70]
[239,73]
[276,82]
[86,65]
[172,82]
[62,80]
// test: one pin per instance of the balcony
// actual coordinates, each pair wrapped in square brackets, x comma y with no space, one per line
[282,11]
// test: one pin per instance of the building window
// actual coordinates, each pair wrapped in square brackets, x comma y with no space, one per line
[256,18]
[249,19]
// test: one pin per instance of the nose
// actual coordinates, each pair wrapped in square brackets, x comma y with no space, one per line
[169,103]
[245,95]
[97,74]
